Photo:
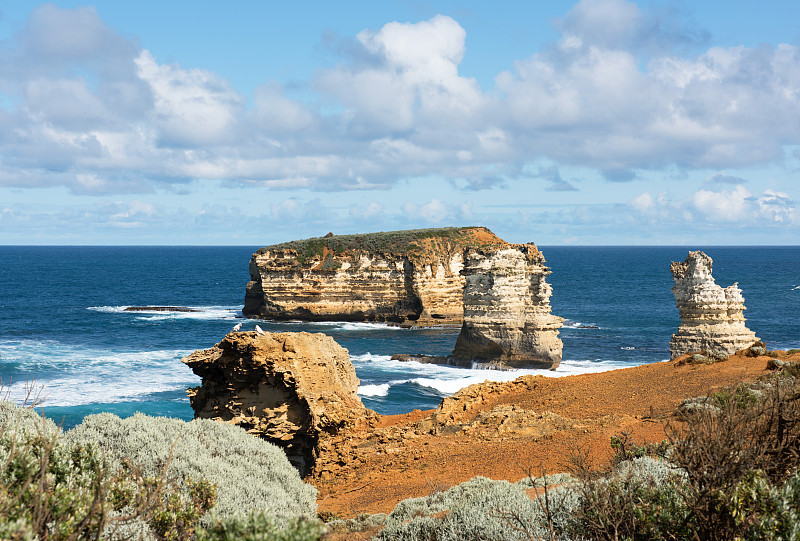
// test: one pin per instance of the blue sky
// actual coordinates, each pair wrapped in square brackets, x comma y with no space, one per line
[253,122]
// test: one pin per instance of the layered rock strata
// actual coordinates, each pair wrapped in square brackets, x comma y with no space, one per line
[292,389]
[507,319]
[401,276]
[712,317]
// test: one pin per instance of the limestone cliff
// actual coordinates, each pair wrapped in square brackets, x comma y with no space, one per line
[400,276]
[507,319]
[712,317]
[292,389]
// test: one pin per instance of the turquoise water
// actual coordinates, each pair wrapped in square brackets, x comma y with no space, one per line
[62,322]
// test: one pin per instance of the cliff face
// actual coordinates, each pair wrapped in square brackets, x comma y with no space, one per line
[507,317]
[402,276]
[712,317]
[292,389]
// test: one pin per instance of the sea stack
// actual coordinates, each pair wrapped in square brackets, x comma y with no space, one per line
[411,277]
[712,317]
[507,319]
[293,389]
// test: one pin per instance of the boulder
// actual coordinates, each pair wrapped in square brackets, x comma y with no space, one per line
[292,389]
[712,317]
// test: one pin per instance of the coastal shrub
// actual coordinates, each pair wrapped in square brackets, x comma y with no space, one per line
[249,474]
[358,524]
[551,480]
[724,450]
[22,423]
[776,509]
[52,488]
[704,357]
[741,396]
[640,499]
[47,490]
[756,350]
[388,241]
[261,527]
[626,449]
[474,510]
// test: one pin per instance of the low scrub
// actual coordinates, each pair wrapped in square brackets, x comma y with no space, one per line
[54,489]
[475,510]
[146,478]
[250,474]
[383,242]
[261,527]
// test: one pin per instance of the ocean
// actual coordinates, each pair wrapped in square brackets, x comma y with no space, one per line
[64,330]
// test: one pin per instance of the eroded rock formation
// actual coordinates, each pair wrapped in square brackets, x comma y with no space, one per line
[292,389]
[712,317]
[507,317]
[401,276]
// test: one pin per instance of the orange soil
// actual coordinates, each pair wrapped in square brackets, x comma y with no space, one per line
[640,401]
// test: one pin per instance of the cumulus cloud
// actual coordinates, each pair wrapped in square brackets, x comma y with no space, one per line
[412,81]
[433,212]
[734,206]
[191,107]
[723,205]
[94,111]
[644,202]
[372,210]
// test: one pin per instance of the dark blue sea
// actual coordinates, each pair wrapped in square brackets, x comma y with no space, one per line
[63,324]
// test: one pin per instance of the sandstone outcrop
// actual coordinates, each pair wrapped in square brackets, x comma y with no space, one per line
[507,319]
[712,317]
[401,276]
[292,389]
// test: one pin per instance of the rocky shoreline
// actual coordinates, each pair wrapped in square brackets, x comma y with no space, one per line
[298,390]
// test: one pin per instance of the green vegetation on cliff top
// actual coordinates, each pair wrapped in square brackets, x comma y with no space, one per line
[405,242]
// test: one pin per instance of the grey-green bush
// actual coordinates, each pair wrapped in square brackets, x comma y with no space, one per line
[260,527]
[478,509]
[250,474]
[550,480]
[48,490]
[24,423]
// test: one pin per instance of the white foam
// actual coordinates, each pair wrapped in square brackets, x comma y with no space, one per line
[578,325]
[199,312]
[350,325]
[373,358]
[374,390]
[73,376]
[447,380]
[108,309]
[628,348]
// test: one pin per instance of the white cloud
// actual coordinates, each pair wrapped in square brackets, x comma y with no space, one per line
[92,110]
[643,202]
[191,107]
[372,210]
[723,205]
[607,23]
[778,207]
[434,211]
[735,207]
[274,113]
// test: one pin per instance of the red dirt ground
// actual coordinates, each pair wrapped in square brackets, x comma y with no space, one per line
[640,401]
